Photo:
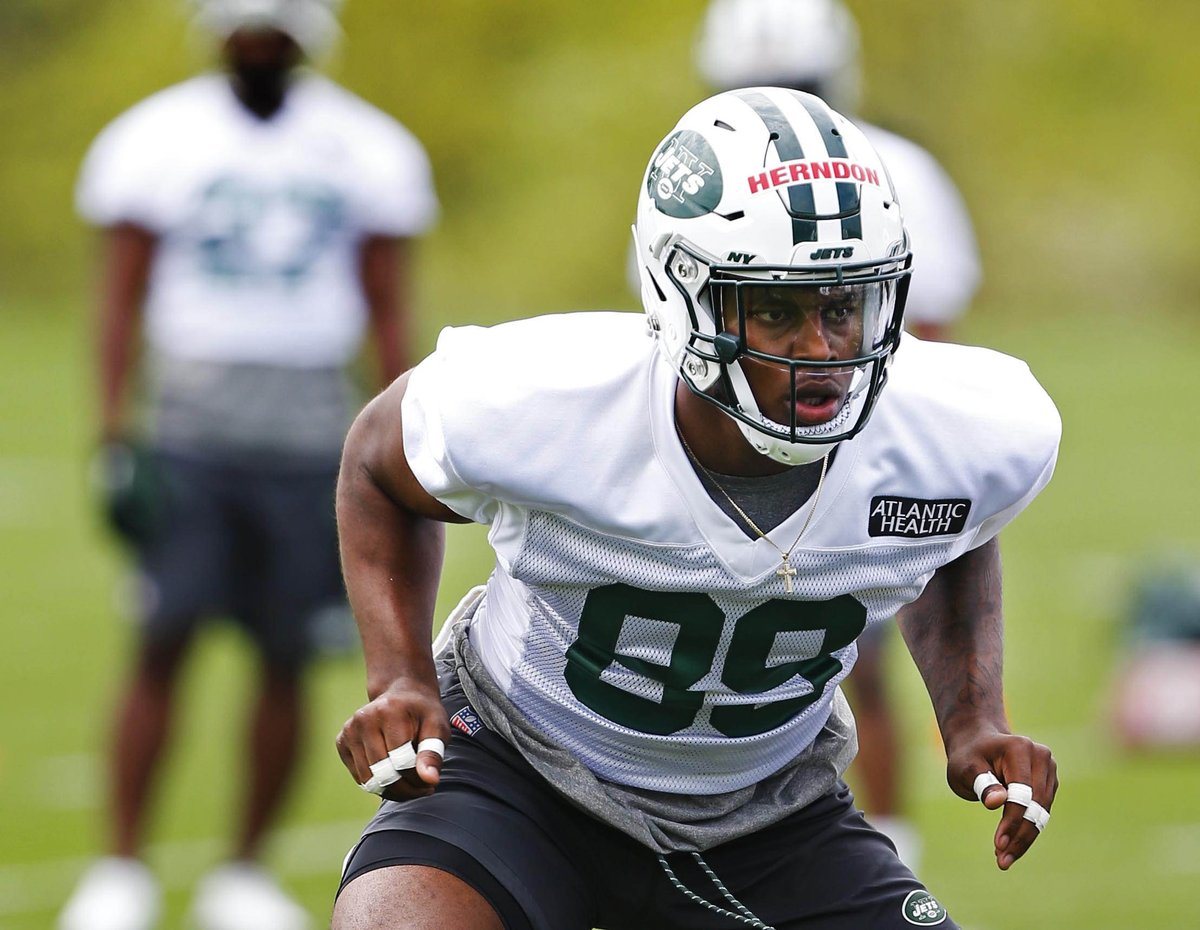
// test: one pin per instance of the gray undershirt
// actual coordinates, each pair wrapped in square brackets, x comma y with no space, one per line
[767,500]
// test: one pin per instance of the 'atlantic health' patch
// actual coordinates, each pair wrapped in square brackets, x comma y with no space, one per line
[916,518]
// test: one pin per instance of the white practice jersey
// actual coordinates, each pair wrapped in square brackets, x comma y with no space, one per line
[259,221]
[628,617]
[946,266]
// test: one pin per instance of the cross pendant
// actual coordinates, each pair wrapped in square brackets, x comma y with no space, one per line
[787,573]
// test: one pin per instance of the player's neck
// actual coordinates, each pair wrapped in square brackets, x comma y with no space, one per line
[263,98]
[716,441]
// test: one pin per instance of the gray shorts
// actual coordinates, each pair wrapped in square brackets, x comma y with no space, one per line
[252,543]
[546,865]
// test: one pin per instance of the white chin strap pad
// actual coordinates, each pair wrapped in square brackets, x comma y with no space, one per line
[773,447]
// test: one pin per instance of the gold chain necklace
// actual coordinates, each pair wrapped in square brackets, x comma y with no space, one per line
[785,570]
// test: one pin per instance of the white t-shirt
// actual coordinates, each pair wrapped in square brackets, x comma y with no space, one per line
[946,267]
[259,221]
[628,617]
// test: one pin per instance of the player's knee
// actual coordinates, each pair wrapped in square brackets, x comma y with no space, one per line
[415,897]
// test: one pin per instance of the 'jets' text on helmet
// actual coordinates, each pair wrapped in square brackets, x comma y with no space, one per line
[809,45]
[766,198]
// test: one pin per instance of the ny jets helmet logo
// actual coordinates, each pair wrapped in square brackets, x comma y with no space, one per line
[684,178]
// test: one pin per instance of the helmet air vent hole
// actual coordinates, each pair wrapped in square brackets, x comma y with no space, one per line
[658,290]
[721,124]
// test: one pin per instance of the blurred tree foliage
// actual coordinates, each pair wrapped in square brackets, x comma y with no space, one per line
[1067,126]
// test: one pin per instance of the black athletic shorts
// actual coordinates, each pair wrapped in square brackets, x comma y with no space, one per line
[545,865]
[252,543]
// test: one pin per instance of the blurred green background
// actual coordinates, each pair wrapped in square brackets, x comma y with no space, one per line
[1070,128]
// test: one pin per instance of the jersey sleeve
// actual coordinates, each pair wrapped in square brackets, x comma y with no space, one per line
[119,179]
[967,423]
[397,196]
[429,397]
[1012,446]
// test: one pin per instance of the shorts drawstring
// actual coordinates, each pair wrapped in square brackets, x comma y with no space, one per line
[742,915]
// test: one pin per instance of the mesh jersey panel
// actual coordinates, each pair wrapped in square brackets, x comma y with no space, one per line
[560,567]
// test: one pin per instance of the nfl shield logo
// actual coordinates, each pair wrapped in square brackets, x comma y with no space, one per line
[467,721]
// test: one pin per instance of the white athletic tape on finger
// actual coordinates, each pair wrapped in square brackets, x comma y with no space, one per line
[432,744]
[373,786]
[403,757]
[1019,793]
[983,781]
[384,772]
[1037,815]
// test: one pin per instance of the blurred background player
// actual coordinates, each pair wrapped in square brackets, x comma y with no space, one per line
[813,45]
[256,224]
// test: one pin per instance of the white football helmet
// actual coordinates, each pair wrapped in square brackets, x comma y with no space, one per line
[809,45]
[312,23]
[754,193]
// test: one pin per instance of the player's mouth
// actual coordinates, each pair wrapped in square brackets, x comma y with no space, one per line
[817,402]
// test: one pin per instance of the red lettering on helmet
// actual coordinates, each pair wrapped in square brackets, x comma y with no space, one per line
[759,182]
[799,172]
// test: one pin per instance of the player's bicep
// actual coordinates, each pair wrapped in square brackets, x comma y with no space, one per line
[374,460]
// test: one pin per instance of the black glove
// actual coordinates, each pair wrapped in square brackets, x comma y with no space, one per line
[130,490]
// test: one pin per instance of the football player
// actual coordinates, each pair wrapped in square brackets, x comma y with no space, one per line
[256,221]
[695,513]
[813,45]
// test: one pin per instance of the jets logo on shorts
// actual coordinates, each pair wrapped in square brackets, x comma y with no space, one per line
[922,908]
[467,721]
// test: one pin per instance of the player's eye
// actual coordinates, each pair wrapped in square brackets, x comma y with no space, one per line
[770,314]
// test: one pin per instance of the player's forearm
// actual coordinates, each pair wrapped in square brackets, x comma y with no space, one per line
[384,265]
[115,362]
[129,253]
[955,632]
[391,559]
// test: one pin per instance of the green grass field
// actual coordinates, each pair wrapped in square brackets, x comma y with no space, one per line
[1066,126]
[1123,850]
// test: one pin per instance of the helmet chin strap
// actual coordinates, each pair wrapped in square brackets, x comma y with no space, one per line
[766,442]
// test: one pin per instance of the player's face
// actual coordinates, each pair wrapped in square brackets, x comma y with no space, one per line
[261,51]
[811,324]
